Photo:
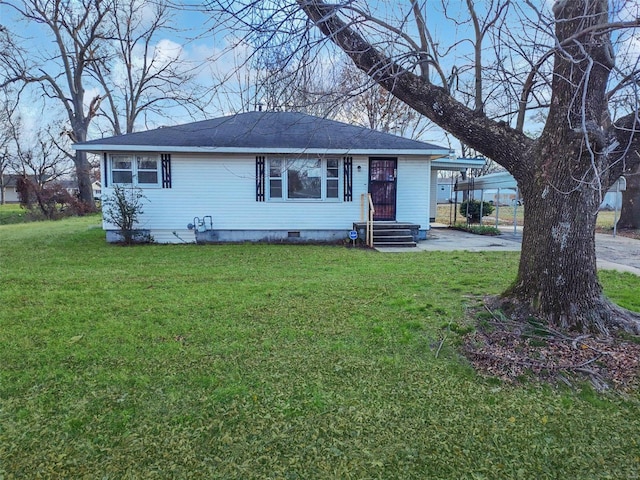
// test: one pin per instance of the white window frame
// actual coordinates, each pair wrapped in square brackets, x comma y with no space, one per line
[284,179]
[135,159]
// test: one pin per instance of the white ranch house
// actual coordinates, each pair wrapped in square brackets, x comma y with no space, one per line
[271,176]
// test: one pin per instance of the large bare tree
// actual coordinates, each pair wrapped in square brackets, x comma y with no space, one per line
[143,73]
[363,102]
[78,29]
[116,49]
[41,155]
[9,99]
[565,59]
[250,76]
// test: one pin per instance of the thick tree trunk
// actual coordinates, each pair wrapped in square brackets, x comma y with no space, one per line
[561,184]
[630,214]
[83,167]
[83,174]
[557,277]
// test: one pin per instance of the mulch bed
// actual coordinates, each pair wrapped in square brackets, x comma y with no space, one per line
[623,232]
[515,351]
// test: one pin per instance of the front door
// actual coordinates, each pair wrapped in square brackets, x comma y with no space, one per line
[382,186]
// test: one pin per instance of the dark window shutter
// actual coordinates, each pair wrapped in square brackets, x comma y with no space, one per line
[260,179]
[105,181]
[348,178]
[166,170]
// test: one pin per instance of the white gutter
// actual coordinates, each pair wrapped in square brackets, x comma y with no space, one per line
[100,148]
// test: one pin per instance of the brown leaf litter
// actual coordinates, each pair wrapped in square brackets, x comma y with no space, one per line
[513,351]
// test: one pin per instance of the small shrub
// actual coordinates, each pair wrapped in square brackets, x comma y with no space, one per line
[484,230]
[123,209]
[477,229]
[473,212]
[49,201]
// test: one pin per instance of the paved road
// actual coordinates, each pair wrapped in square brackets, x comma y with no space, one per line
[619,253]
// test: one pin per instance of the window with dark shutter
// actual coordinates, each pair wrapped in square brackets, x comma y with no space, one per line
[348,178]
[260,179]
[166,170]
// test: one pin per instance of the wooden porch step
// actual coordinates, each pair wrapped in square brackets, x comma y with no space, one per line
[391,234]
[393,238]
[378,225]
[410,244]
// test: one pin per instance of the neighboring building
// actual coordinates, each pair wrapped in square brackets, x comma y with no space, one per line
[612,201]
[11,195]
[71,186]
[500,196]
[445,190]
[8,185]
[501,188]
[97,190]
[270,176]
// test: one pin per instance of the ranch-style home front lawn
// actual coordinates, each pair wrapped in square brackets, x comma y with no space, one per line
[273,361]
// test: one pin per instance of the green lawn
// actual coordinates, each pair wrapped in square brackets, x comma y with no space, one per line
[272,361]
[12,213]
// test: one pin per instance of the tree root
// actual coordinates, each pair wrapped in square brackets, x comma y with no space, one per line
[603,318]
[511,349]
[625,320]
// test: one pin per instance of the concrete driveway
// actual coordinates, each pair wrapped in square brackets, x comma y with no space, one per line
[619,253]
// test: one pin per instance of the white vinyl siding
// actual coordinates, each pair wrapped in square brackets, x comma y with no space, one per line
[224,186]
[412,199]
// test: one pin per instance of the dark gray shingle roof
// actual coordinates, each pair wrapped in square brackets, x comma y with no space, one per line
[263,131]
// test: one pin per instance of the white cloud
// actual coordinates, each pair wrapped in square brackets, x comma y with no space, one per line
[167,51]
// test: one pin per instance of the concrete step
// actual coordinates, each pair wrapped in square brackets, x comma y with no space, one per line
[410,244]
[391,238]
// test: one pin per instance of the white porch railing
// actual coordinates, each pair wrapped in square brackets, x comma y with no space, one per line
[367,211]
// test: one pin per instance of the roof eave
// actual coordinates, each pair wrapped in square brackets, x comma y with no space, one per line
[100,148]
[459,164]
[492,180]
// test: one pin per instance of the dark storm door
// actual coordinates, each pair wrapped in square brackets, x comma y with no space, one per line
[382,186]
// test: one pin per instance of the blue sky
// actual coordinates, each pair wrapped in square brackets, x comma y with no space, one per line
[214,41]
[197,38]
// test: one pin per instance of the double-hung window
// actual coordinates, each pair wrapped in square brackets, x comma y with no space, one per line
[141,170]
[304,178]
[275,177]
[122,169]
[333,176]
